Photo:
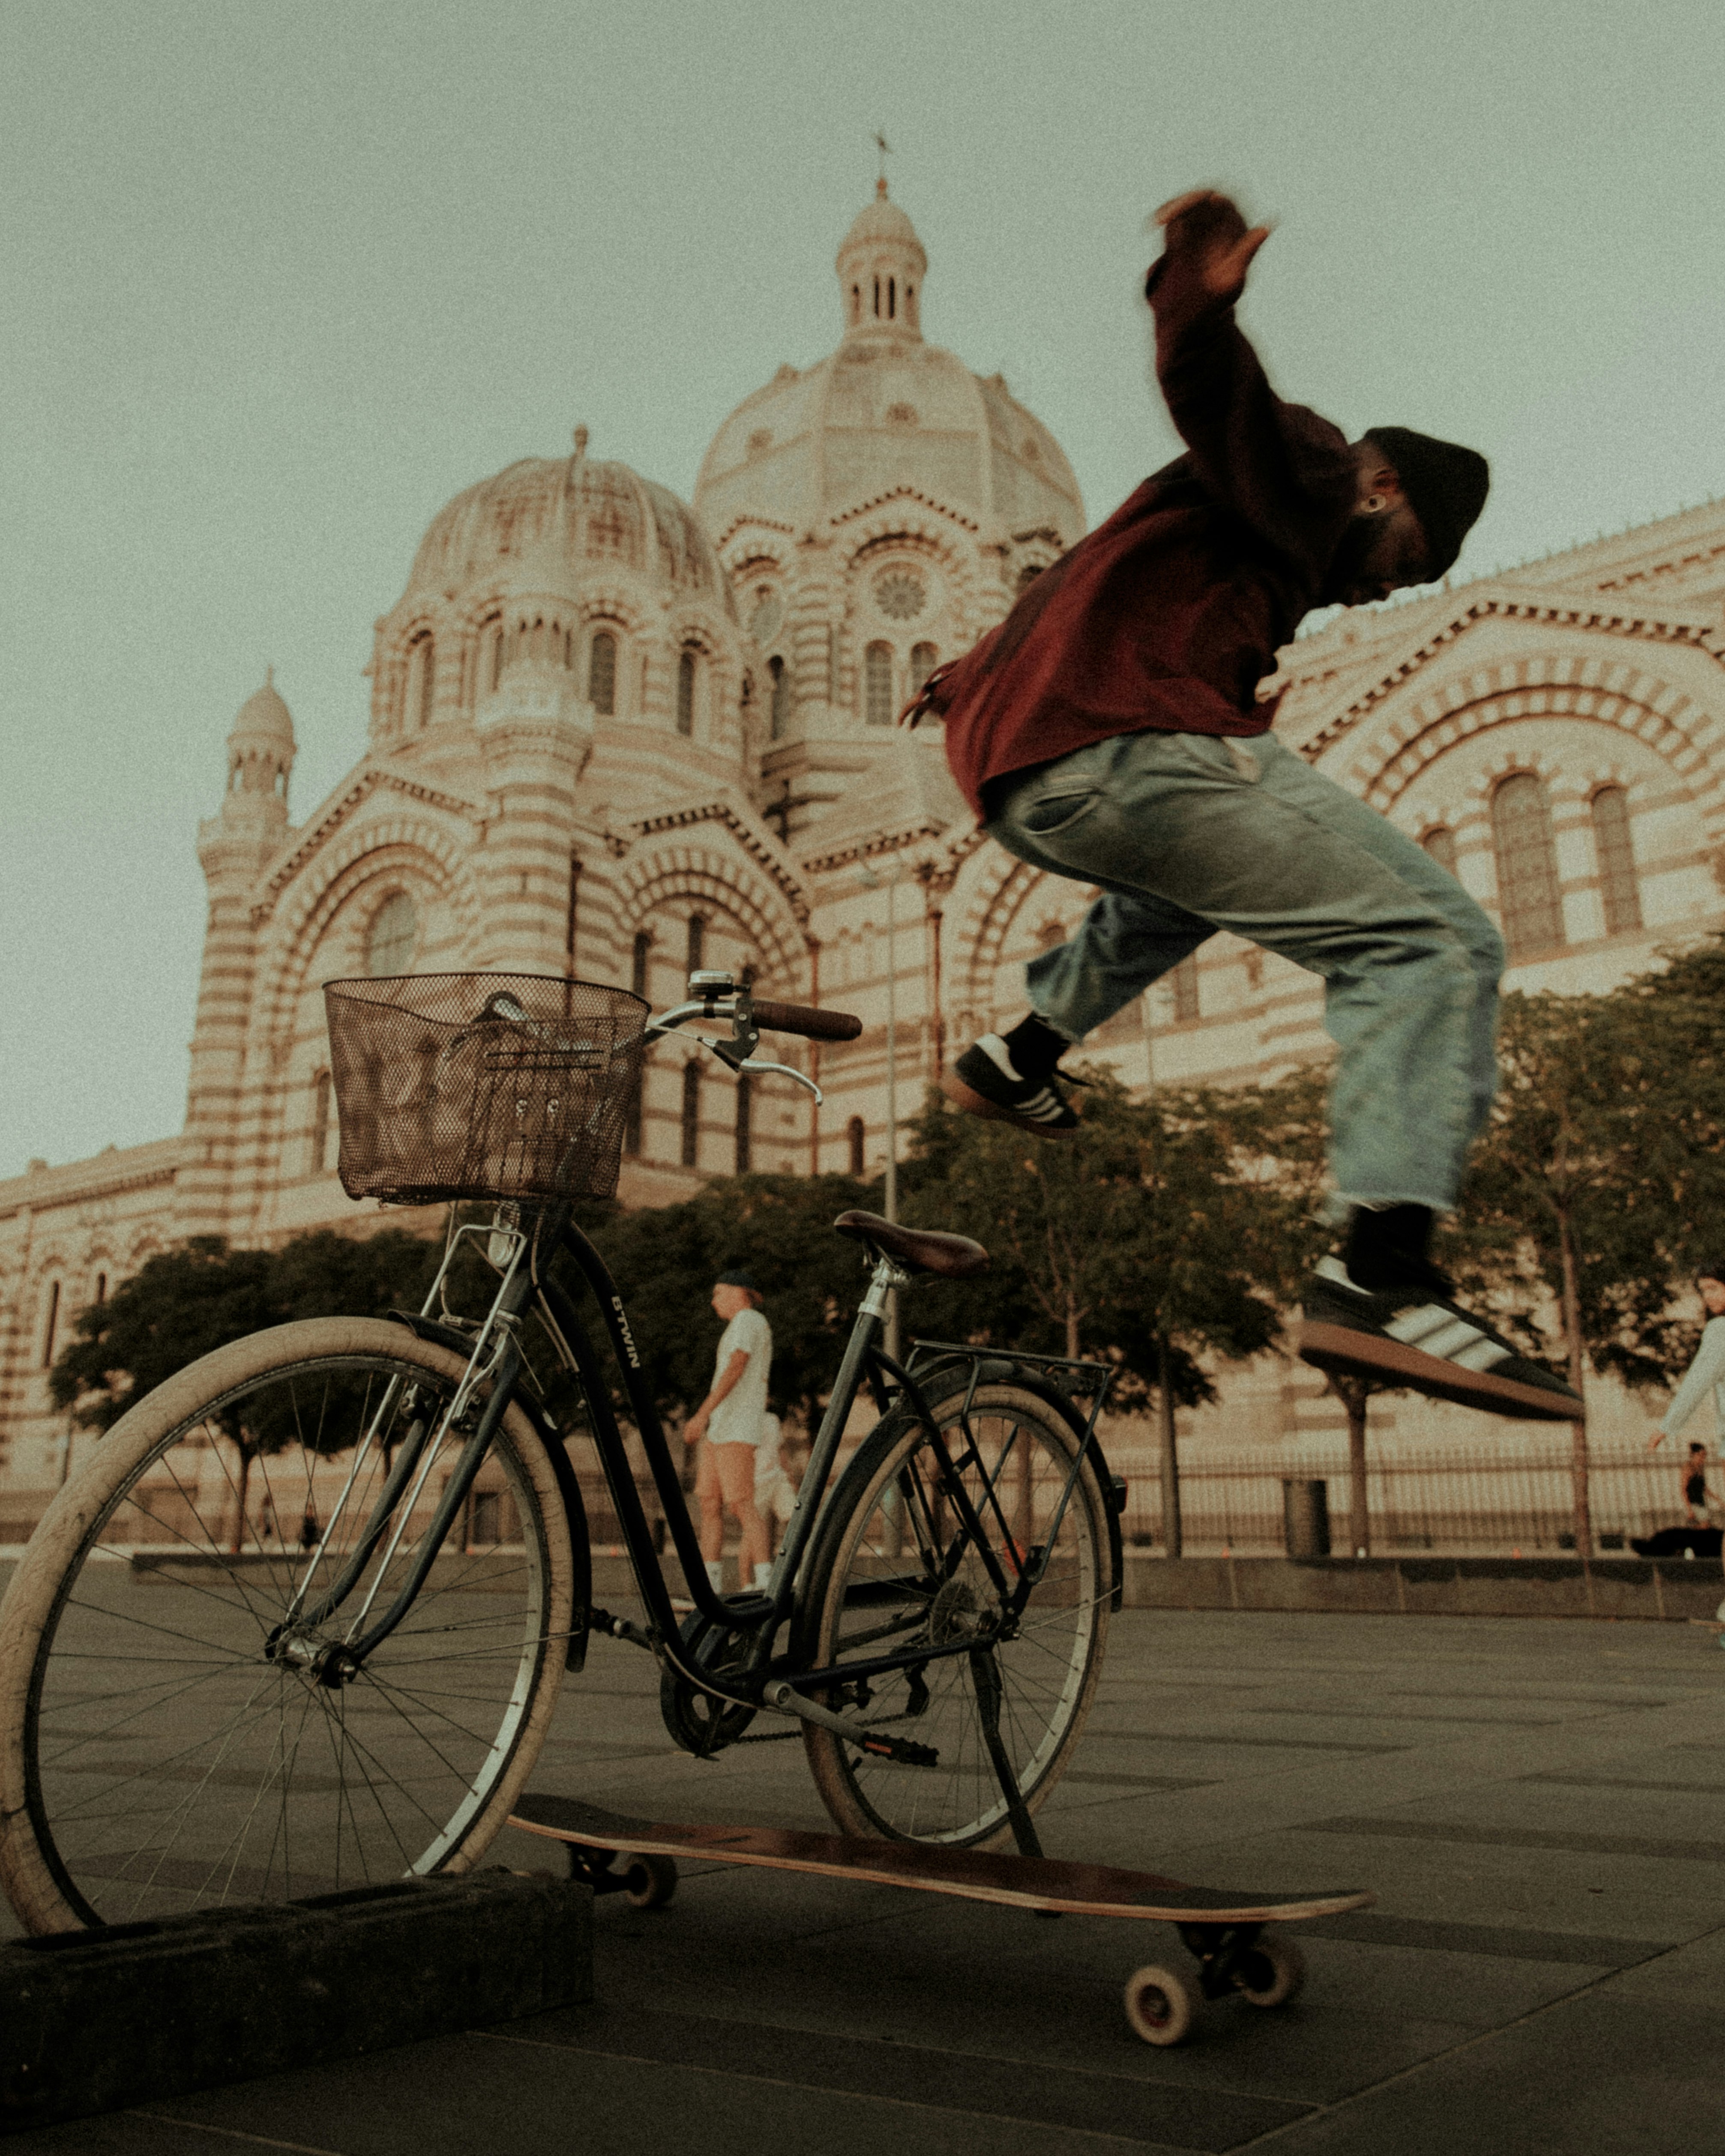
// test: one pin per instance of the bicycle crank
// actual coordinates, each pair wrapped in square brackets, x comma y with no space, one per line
[900,1750]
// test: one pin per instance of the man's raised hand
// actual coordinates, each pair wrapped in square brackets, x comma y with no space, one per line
[1207,227]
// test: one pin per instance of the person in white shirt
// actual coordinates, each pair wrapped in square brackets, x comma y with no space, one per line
[1707,1372]
[732,1419]
[775,1493]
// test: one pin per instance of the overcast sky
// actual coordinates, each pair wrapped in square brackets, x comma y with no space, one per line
[281,279]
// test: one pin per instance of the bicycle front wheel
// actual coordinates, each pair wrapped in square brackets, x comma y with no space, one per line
[161,1751]
[898,1566]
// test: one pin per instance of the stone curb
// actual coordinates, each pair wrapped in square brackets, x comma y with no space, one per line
[95,2020]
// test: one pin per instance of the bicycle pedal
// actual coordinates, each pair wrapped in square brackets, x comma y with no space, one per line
[899,1749]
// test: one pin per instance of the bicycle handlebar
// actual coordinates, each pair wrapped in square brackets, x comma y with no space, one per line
[803,1018]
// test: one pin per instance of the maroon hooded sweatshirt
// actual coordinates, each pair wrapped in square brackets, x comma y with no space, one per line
[1166,617]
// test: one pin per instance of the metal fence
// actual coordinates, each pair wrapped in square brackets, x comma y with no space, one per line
[1479,1502]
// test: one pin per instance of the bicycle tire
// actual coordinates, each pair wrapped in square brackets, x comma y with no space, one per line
[158,1791]
[1049,1669]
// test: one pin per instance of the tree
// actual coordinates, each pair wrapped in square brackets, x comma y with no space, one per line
[186,1302]
[1602,1156]
[1136,1239]
[780,1227]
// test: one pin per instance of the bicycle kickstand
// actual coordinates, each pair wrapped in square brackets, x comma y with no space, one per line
[985,1674]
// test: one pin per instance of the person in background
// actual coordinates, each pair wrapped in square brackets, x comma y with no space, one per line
[1705,1374]
[732,1418]
[775,1493]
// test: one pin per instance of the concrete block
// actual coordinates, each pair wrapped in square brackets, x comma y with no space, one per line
[91,2021]
[1364,1585]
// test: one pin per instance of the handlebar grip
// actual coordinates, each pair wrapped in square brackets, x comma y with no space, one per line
[800,1018]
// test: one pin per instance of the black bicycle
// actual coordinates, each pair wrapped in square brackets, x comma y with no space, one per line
[191,1713]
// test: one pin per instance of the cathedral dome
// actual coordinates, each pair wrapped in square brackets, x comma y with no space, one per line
[886,412]
[541,522]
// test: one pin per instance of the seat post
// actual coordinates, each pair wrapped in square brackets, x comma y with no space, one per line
[884,1278]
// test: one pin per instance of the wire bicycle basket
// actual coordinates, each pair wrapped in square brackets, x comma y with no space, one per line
[454,1085]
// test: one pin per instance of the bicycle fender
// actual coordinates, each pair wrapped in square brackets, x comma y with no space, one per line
[568,1484]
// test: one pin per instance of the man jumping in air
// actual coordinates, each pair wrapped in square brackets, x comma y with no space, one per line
[1109,731]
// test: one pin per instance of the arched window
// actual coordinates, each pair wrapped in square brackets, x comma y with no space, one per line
[697,941]
[602,672]
[1183,983]
[319,1123]
[1441,844]
[692,1113]
[686,692]
[422,682]
[52,1325]
[1618,889]
[1029,574]
[101,1290]
[390,940]
[877,684]
[877,298]
[494,654]
[857,1137]
[856,303]
[1528,894]
[924,659]
[638,961]
[573,922]
[569,650]
[892,298]
[780,707]
[745,1120]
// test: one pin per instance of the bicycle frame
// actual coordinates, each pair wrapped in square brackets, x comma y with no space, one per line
[895,1387]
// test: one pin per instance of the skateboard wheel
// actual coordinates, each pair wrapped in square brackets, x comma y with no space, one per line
[1272,1972]
[1160,2006]
[652,1880]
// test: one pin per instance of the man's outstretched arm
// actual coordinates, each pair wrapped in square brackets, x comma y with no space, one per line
[1284,471]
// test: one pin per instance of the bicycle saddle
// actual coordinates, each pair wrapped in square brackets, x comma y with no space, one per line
[918,1249]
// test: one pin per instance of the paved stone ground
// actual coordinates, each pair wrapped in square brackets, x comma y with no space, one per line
[1539,1805]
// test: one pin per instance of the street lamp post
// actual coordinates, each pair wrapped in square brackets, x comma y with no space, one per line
[872,881]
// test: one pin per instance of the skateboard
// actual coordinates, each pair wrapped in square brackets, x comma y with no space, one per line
[1224,1930]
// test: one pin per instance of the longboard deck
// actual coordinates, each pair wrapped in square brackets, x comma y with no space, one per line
[1022,1882]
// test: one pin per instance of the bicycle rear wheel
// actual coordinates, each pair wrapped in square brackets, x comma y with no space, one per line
[159,1752]
[896,1566]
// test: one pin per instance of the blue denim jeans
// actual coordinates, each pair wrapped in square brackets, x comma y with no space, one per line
[1188,834]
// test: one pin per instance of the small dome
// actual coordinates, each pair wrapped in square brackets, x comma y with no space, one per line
[263,715]
[541,521]
[881,223]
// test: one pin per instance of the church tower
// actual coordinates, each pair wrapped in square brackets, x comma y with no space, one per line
[233,848]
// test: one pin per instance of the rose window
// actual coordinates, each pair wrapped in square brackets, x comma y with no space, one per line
[901,594]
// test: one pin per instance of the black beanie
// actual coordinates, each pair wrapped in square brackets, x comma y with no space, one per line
[1445,484]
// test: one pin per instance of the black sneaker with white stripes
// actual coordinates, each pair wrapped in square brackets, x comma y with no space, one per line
[1417,1336]
[984,1081]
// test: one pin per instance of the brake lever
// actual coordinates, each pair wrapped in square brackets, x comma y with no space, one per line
[785,1070]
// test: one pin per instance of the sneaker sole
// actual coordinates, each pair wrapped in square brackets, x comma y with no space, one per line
[979,1104]
[1371,1355]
